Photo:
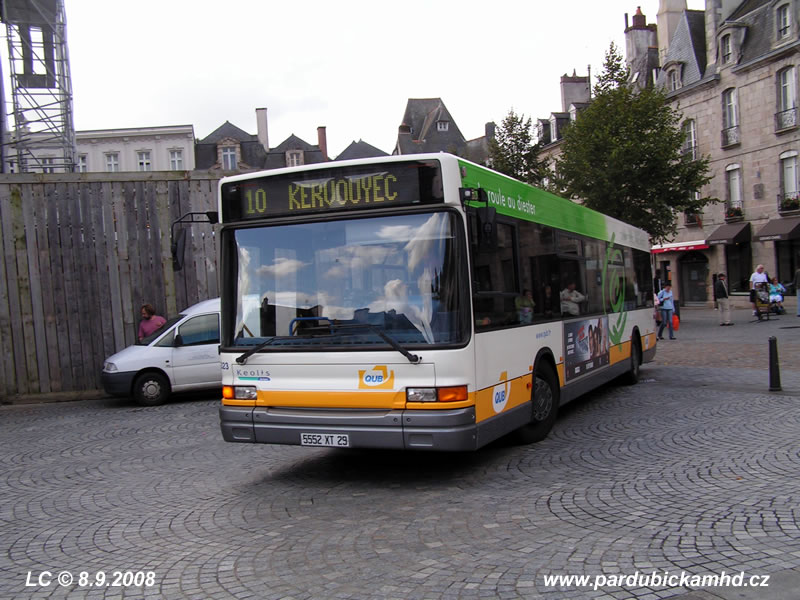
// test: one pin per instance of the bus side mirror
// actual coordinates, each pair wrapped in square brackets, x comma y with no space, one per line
[178,246]
[487,228]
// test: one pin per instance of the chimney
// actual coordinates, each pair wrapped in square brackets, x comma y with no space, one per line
[574,89]
[489,130]
[261,124]
[322,139]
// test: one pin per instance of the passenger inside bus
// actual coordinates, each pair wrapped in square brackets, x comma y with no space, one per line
[571,299]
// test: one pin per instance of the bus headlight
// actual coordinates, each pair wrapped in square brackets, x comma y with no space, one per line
[239,392]
[421,395]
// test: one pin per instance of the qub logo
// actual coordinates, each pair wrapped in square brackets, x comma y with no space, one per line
[500,394]
[378,378]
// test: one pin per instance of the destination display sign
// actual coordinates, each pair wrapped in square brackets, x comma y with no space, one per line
[332,190]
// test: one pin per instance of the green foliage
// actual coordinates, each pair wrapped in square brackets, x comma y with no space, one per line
[615,73]
[623,156]
[512,153]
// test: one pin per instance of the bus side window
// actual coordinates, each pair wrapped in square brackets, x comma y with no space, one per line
[495,285]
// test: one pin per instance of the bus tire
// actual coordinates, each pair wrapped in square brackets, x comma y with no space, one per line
[151,389]
[632,376]
[544,408]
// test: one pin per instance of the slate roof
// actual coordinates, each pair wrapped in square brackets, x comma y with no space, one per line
[360,149]
[687,47]
[227,130]
[759,18]
[276,157]
[747,7]
[421,118]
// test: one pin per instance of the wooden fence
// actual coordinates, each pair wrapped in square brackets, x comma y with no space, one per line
[79,255]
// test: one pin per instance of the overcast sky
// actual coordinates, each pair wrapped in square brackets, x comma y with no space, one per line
[349,65]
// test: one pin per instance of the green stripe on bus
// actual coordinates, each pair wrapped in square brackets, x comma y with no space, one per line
[522,201]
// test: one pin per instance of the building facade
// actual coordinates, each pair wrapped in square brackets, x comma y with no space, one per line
[732,71]
[167,148]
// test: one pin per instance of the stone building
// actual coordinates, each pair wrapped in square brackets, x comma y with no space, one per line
[732,70]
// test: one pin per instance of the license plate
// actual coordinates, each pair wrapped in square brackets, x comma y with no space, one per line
[333,440]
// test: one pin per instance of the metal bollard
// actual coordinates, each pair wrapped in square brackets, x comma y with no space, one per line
[774,368]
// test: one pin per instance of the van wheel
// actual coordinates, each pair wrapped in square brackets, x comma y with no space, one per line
[632,376]
[545,407]
[151,389]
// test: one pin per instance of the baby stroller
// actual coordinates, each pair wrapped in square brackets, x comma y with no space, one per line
[762,301]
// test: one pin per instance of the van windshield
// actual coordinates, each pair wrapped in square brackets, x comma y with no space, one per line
[159,332]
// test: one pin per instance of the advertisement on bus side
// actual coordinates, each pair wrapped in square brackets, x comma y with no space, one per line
[585,346]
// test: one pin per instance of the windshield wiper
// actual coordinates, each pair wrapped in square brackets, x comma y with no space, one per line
[414,359]
[242,358]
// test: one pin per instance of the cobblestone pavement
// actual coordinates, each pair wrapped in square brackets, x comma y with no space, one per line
[692,472]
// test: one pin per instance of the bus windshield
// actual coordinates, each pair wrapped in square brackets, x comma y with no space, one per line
[334,283]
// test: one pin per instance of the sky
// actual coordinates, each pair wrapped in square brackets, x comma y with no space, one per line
[350,65]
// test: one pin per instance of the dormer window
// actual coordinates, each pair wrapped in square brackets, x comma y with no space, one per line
[726,48]
[674,80]
[442,125]
[783,20]
[294,158]
[229,158]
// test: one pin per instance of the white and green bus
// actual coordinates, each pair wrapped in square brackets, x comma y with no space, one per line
[419,302]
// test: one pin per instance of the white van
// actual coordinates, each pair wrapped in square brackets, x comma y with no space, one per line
[183,355]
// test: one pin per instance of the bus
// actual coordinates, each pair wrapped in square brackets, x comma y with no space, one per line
[419,302]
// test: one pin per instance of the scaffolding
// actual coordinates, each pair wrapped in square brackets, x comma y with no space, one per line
[43,139]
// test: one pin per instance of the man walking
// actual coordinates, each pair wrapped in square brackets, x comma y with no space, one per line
[721,291]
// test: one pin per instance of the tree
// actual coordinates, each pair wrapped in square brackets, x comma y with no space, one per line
[512,153]
[624,156]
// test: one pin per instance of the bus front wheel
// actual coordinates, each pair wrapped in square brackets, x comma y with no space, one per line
[544,408]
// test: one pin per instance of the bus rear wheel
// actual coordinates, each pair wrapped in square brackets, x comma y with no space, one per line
[544,408]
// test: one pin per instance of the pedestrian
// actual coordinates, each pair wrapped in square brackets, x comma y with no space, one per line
[151,322]
[667,307]
[797,289]
[758,277]
[721,291]
[776,292]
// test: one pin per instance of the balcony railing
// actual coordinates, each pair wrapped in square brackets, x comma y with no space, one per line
[789,203]
[730,136]
[786,119]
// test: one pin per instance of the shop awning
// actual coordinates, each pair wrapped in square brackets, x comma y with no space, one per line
[730,233]
[780,229]
[679,246]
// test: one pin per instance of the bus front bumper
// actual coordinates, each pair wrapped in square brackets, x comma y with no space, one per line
[448,430]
